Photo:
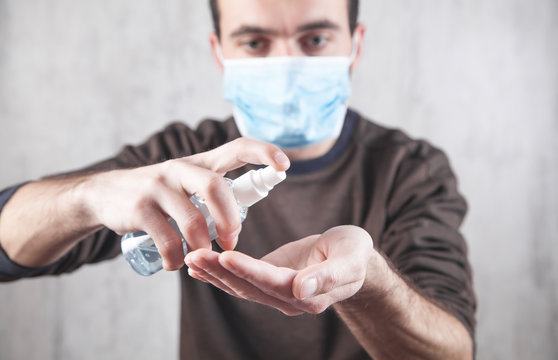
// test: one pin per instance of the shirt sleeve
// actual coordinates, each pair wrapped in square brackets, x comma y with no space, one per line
[422,238]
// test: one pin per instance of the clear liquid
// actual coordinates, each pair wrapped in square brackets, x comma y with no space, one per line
[140,250]
[144,258]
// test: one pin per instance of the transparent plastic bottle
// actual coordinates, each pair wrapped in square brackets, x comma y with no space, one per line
[140,250]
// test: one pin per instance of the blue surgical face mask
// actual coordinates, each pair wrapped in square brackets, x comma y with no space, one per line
[289,101]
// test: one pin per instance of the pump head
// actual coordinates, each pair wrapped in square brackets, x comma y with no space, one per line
[253,186]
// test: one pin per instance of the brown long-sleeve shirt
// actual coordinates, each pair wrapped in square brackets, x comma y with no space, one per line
[402,191]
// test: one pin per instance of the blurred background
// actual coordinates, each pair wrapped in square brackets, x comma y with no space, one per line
[79,79]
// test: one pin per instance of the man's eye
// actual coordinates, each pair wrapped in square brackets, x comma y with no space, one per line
[254,44]
[317,41]
[313,44]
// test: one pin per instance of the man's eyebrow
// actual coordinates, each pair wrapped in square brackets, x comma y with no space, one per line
[317,25]
[247,29]
[314,25]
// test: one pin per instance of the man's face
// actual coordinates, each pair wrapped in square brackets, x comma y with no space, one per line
[259,28]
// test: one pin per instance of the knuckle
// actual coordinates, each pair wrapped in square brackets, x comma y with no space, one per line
[154,182]
[194,223]
[164,248]
[169,250]
[196,220]
[141,209]
[214,183]
[329,281]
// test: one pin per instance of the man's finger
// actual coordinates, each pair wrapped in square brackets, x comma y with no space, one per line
[216,193]
[199,273]
[292,255]
[166,239]
[274,281]
[325,277]
[240,152]
[188,219]
[215,273]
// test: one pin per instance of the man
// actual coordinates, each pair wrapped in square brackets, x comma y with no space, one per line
[307,249]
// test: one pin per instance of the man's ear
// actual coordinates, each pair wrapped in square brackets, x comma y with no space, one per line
[358,35]
[216,50]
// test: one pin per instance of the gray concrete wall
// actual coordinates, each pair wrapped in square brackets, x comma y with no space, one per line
[479,78]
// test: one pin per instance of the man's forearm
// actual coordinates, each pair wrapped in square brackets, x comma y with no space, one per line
[393,321]
[44,219]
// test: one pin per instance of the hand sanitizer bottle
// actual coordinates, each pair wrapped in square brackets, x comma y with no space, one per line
[140,250]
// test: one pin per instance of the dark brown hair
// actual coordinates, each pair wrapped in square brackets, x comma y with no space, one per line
[352,4]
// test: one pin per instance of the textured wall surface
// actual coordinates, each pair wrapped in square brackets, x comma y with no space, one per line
[78,79]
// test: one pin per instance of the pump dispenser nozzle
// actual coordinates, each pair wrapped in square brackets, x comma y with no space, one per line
[255,185]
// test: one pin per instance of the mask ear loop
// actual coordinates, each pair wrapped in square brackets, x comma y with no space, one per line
[353,55]
[219,54]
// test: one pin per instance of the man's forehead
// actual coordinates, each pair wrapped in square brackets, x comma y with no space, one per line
[281,17]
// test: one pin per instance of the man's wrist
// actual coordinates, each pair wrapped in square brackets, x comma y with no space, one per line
[80,194]
[380,280]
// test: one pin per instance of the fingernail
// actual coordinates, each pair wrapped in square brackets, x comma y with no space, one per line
[282,159]
[308,288]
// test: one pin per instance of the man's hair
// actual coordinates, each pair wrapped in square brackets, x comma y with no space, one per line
[352,4]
